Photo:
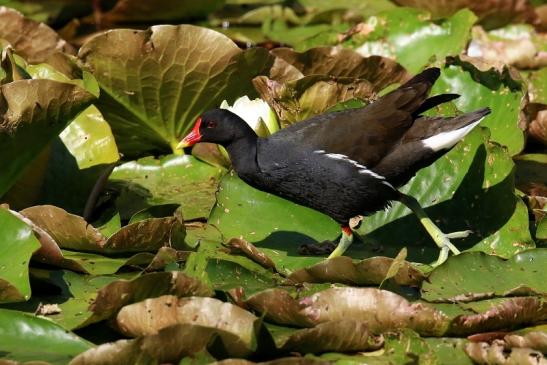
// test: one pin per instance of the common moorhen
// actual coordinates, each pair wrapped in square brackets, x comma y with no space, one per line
[347,163]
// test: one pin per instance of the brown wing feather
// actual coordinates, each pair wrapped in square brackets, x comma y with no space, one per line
[367,134]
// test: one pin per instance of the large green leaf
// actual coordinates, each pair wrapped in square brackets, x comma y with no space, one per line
[156,82]
[33,112]
[479,89]
[275,225]
[183,180]
[25,337]
[413,38]
[17,246]
[474,275]
[471,187]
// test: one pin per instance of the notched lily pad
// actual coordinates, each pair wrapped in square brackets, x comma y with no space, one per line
[473,276]
[156,82]
[344,270]
[235,325]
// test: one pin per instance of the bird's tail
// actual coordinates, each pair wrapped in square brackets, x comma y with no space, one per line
[444,133]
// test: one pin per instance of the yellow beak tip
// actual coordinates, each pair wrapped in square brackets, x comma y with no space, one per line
[182,144]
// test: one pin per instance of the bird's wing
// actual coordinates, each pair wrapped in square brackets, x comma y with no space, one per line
[366,134]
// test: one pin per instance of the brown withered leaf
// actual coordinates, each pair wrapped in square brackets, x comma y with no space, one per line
[34,41]
[337,336]
[492,13]
[234,324]
[73,232]
[336,62]
[511,313]
[239,245]
[111,298]
[370,271]
[497,353]
[169,345]
[297,100]
[278,306]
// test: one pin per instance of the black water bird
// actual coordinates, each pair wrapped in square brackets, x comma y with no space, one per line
[347,163]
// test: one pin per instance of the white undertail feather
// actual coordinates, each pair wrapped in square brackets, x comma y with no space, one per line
[446,140]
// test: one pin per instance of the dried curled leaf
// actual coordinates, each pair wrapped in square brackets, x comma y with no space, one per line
[371,271]
[34,41]
[340,336]
[492,13]
[381,310]
[119,293]
[169,345]
[235,325]
[237,245]
[509,314]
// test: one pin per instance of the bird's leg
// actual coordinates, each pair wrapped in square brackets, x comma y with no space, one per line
[440,238]
[345,242]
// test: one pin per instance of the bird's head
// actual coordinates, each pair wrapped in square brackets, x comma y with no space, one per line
[219,126]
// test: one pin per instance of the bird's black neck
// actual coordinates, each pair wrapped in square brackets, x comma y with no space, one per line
[242,153]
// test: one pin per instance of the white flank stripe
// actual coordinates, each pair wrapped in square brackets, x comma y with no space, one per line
[360,168]
[446,140]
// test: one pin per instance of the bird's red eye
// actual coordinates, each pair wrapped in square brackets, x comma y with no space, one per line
[211,124]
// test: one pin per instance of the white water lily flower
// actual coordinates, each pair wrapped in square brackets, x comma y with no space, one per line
[257,113]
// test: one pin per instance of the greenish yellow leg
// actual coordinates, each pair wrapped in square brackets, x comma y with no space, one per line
[440,238]
[345,242]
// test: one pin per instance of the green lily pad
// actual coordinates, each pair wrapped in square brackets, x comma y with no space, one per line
[479,89]
[474,275]
[34,112]
[25,337]
[474,179]
[89,139]
[274,225]
[412,38]
[18,245]
[182,180]
[156,82]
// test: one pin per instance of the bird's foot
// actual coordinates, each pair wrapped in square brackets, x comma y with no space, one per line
[441,239]
[317,249]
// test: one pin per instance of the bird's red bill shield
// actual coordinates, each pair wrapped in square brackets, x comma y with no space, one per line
[193,137]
